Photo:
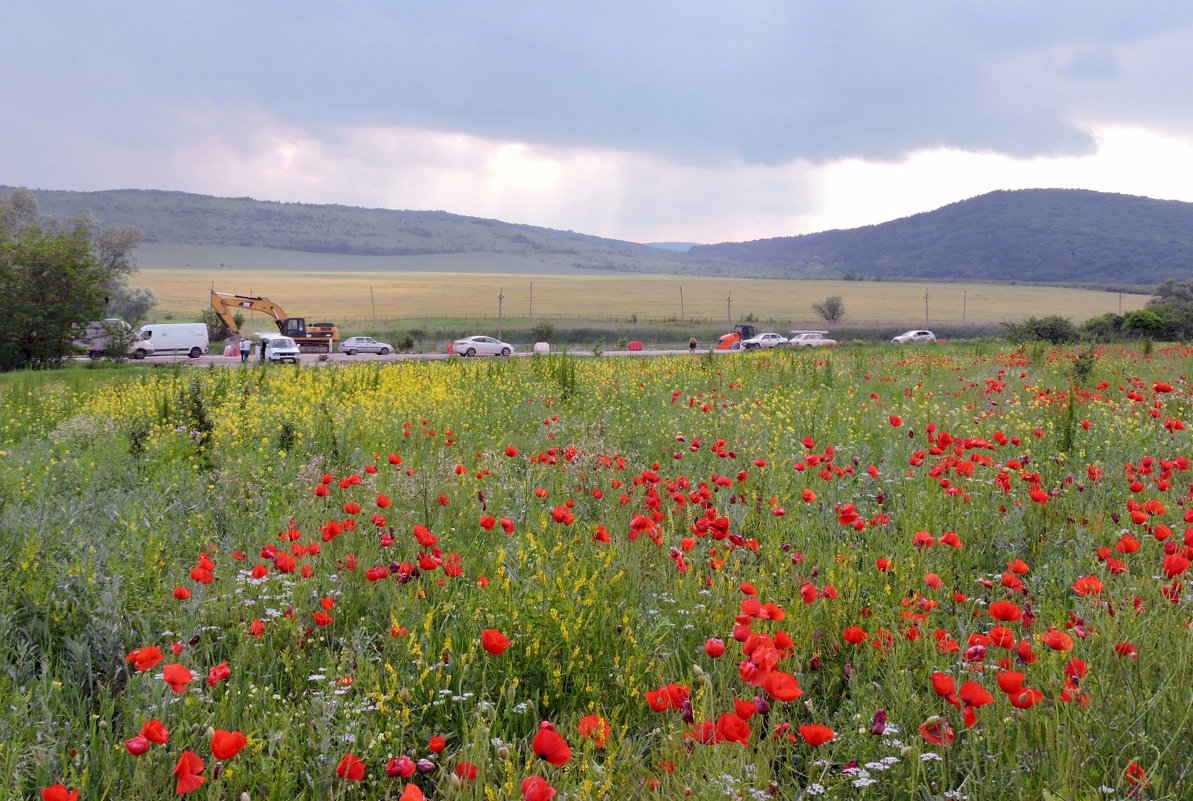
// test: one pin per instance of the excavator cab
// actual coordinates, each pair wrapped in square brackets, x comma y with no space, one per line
[293,327]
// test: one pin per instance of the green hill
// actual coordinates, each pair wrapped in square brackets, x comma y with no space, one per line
[1034,235]
[188,220]
[1038,235]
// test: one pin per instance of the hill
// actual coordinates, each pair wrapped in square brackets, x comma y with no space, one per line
[1038,235]
[176,223]
[1034,235]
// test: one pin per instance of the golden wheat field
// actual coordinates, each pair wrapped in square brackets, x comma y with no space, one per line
[347,295]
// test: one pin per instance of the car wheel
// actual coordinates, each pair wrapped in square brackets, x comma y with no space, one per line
[351,351]
[96,355]
[470,352]
[505,351]
[383,352]
[138,354]
[195,353]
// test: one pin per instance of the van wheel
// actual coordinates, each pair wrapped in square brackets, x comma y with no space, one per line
[96,355]
[138,354]
[195,353]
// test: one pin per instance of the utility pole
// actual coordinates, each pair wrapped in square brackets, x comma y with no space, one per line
[1120,304]
[500,298]
[681,303]
[963,299]
[925,310]
[729,311]
[532,300]
[373,303]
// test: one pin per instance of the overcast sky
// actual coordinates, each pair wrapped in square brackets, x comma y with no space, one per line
[648,121]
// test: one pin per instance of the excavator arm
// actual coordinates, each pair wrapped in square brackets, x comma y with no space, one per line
[225,303]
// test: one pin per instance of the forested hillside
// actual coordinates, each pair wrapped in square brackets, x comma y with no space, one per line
[1047,235]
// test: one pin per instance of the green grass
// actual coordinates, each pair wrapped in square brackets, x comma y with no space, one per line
[114,482]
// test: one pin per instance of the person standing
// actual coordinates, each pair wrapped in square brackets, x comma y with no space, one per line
[692,345]
[245,348]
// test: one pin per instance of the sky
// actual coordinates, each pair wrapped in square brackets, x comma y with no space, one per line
[642,120]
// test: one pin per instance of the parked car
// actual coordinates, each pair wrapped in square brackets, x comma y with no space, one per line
[920,335]
[278,348]
[763,341]
[480,346]
[355,345]
[96,337]
[809,339]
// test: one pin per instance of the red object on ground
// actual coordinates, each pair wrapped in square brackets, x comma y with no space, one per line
[635,345]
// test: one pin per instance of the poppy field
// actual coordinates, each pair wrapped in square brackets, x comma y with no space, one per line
[950,573]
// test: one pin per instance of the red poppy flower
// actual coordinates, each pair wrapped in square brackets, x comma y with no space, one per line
[782,686]
[1088,585]
[732,728]
[181,593]
[227,744]
[425,538]
[943,684]
[1005,611]
[137,745]
[58,792]
[177,677]
[937,732]
[402,766]
[322,618]
[714,647]
[218,673]
[1058,640]
[595,728]
[437,744]
[351,767]
[535,788]
[256,628]
[550,746]
[155,732]
[466,771]
[854,635]
[494,641]
[187,770]
[145,658]
[816,734]
[974,694]
[412,793]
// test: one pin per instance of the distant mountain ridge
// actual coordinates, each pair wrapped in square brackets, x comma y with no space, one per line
[1038,235]
[1030,235]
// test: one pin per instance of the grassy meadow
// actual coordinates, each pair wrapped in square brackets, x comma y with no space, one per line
[352,296]
[943,573]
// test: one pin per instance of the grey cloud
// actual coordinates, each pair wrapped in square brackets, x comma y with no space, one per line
[697,82]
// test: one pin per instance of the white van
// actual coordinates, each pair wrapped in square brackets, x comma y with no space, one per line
[278,348]
[178,338]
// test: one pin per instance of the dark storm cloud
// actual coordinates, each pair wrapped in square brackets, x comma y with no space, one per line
[694,82]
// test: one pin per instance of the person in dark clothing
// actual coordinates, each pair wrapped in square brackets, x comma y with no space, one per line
[692,345]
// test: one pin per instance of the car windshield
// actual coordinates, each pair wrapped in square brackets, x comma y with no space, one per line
[283,342]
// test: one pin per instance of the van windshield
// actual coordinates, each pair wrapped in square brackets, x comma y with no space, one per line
[283,342]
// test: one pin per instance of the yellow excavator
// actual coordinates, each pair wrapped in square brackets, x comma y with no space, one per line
[313,338]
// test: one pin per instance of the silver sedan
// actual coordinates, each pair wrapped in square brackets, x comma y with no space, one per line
[480,346]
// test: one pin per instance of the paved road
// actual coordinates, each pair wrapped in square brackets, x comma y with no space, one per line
[340,358]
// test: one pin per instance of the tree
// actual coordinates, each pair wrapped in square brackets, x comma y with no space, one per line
[831,309]
[49,284]
[56,275]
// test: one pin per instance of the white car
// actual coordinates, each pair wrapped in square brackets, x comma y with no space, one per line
[480,346]
[762,341]
[355,345]
[809,339]
[920,335]
[277,348]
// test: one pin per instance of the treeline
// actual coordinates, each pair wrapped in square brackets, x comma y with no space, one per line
[1167,317]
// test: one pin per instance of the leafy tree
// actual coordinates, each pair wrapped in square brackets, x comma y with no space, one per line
[49,284]
[56,275]
[542,331]
[1053,328]
[1144,323]
[1173,291]
[831,308]
[1103,328]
